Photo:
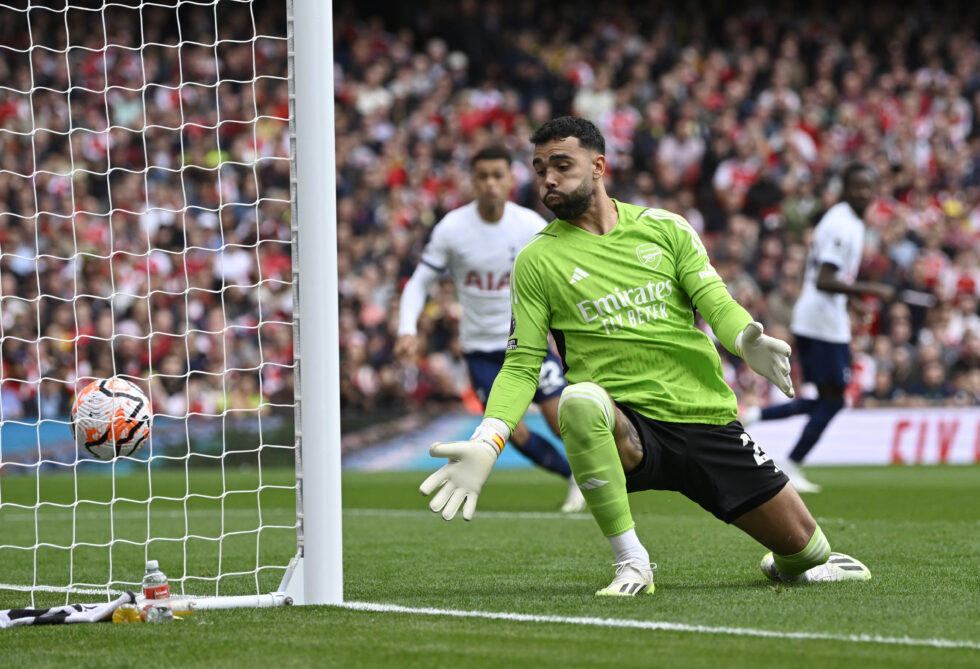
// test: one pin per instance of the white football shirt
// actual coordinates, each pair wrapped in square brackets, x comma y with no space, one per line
[839,240]
[479,256]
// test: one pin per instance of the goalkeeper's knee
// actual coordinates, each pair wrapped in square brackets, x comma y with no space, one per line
[585,412]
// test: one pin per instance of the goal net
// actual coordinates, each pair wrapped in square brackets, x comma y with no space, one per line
[146,233]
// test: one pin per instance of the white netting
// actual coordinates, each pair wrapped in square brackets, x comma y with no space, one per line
[144,233]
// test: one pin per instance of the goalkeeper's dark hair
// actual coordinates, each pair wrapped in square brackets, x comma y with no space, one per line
[854,168]
[571,126]
[492,152]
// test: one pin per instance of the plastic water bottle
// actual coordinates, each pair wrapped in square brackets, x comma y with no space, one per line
[155,584]
[157,613]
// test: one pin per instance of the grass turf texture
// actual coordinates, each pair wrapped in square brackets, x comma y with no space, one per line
[916,528]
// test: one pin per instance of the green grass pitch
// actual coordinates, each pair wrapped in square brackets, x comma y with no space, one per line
[917,528]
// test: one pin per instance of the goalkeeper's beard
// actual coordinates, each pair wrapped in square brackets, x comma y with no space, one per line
[572,205]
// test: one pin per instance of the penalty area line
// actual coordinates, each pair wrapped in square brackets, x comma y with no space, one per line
[659,626]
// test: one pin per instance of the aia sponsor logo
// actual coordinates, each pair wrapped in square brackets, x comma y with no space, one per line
[487,280]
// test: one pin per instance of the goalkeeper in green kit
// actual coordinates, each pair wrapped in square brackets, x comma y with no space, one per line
[647,407]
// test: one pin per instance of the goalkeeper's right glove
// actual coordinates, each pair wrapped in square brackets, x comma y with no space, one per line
[470,463]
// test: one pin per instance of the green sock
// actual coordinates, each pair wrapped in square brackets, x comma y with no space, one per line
[817,552]
[586,419]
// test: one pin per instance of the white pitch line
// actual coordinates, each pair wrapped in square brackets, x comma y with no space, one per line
[661,626]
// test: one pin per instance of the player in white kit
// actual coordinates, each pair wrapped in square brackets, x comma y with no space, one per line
[820,320]
[477,244]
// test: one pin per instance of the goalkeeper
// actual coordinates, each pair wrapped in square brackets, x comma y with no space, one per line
[647,406]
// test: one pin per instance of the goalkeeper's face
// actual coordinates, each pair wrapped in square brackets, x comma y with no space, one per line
[566,177]
[492,183]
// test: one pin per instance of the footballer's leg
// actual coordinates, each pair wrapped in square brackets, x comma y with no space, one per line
[539,450]
[543,453]
[800,551]
[588,420]
[782,524]
[574,501]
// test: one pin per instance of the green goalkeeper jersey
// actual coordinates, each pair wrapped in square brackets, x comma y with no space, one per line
[621,309]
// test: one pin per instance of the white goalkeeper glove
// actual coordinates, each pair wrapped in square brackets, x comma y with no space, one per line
[767,356]
[468,469]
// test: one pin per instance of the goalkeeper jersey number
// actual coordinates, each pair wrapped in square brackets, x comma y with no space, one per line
[621,309]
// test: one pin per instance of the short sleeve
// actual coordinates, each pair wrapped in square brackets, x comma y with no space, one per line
[830,244]
[436,251]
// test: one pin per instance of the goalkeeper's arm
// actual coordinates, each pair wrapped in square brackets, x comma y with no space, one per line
[735,329]
[460,481]
[514,387]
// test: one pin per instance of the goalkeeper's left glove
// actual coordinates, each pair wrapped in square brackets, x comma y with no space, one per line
[470,463]
[766,356]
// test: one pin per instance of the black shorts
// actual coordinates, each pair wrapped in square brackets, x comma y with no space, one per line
[717,466]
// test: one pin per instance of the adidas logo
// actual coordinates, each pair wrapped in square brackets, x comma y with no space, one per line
[845,562]
[578,275]
[592,483]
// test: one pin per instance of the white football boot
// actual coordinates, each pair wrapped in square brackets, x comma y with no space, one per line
[633,577]
[838,567]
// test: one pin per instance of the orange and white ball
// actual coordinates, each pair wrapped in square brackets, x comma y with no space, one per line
[110,417]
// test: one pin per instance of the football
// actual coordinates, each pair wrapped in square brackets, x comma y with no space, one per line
[109,418]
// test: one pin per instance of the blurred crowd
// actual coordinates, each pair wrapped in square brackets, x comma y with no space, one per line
[144,185]
[144,206]
[738,117]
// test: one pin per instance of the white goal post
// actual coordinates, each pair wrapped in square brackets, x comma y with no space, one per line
[319,363]
[168,216]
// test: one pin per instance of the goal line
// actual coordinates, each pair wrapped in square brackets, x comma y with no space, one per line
[661,626]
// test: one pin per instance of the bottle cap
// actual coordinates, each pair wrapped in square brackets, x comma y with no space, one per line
[152,565]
